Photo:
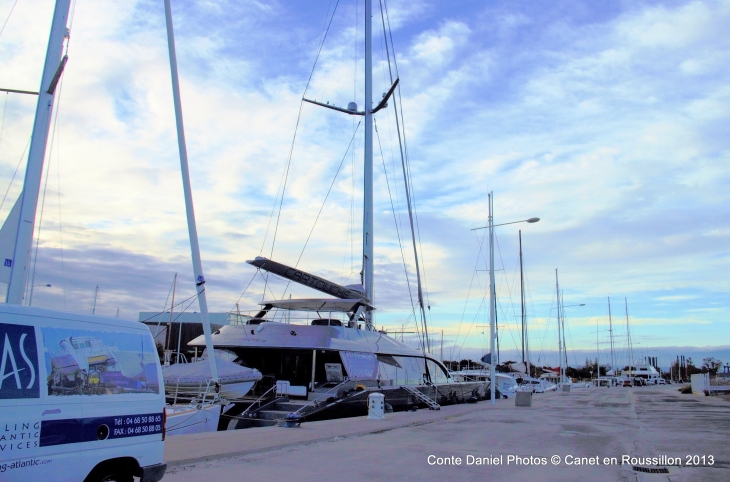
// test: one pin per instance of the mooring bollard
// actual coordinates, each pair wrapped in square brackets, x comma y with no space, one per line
[376,406]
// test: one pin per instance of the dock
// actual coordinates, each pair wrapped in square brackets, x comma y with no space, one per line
[611,434]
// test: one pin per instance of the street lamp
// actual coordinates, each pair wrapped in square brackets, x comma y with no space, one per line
[493,294]
[30,297]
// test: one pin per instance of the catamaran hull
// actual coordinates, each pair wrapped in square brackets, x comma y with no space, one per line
[401,399]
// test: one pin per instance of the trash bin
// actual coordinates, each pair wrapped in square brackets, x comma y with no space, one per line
[376,406]
[523,399]
[566,388]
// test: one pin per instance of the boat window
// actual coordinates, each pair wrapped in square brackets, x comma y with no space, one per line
[359,366]
[395,371]
[438,375]
[388,360]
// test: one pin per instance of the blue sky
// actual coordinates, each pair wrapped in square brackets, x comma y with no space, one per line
[608,120]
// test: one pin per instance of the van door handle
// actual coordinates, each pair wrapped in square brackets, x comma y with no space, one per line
[50,412]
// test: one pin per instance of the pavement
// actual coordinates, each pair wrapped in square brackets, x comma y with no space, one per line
[596,434]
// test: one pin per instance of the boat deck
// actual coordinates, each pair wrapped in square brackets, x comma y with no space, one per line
[643,422]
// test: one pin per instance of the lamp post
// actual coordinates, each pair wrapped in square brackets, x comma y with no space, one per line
[30,298]
[493,294]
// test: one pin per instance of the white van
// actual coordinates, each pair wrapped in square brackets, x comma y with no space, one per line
[81,398]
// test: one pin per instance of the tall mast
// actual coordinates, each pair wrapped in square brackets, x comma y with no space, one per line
[367,222]
[189,210]
[93,306]
[492,304]
[562,317]
[598,358]
[610,336]
[52,70]
[522,301]
[628,336]
[560,338]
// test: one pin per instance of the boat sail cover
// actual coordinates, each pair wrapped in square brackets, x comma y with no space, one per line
[308,279]
[200,371]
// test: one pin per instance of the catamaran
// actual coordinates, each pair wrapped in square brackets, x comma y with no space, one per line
[326,351]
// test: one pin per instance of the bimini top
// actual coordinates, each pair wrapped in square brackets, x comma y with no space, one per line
[322,305]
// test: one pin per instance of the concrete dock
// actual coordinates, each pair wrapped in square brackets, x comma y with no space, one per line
[611,434]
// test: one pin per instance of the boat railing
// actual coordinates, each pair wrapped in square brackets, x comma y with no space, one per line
[325,394]
[258,400]
[206,392]
[291,317]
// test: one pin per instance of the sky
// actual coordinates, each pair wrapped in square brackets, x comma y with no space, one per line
[608,120]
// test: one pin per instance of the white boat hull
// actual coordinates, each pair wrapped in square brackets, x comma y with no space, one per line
[188,419]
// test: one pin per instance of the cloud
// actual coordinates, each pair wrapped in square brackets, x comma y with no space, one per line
[608,122]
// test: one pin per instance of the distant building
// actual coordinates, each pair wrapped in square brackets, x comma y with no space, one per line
[186,326]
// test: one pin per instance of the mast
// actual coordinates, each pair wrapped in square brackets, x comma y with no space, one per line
[598,358]
[560,338]
[492,306]
[93,306]
[628,335]
[189,209]
[522,302]
[610,336]
[367,222]
[52,71]
[169,325]
[562,317]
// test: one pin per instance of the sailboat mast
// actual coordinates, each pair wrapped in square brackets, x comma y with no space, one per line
[93,305]
[52,70]
[492,305]
[628,335]
[610,336]
[189,209]
[169,325]
[522,301]
[367,224]
[560,338]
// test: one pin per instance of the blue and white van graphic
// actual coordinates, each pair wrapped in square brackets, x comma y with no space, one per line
[19,363]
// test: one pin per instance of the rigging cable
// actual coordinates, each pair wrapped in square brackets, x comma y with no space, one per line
[400,244]
[2,125]
[339,168]
[410,197]
[45,188]
[291,149]
[15,173]
[9,14]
